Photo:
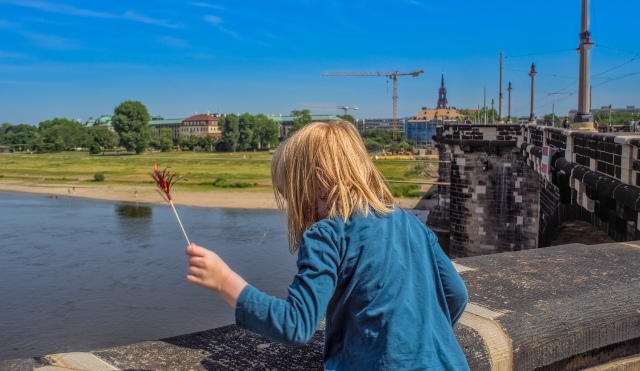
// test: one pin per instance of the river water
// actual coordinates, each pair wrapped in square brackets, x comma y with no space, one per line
[78,274]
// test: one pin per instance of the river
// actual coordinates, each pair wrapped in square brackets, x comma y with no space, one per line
[79,274]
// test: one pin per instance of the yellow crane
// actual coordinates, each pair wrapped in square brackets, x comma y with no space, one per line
[391,75]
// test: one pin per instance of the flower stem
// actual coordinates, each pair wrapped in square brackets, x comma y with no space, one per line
[175,212]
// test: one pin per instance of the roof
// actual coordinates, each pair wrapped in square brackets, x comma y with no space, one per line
[281,119]
[440,113]
[203,117]
[165,122]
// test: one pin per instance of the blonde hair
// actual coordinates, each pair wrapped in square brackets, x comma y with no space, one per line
[326,157]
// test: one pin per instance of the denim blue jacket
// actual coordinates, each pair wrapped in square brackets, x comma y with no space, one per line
[390,295]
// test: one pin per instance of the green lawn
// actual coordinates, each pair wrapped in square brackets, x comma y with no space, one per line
[219,170]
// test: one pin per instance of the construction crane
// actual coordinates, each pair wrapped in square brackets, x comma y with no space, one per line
[391,75]
[345,108]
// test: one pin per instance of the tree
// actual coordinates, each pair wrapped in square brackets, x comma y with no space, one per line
[206,143]
[165,140]
[464,113]
[188,143]
[19,135]
[349,118]
[617,117]
[246,125]
[131,122]
[230,128]
[301,118]
[551,119]
[61,134]
[266,132]
[104,138]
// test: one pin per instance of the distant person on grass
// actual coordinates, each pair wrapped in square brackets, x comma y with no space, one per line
[390,295]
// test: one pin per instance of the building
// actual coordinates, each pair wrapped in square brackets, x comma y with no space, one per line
[156,124]
[422,126]
[201,125]
[104,120]
[286,122]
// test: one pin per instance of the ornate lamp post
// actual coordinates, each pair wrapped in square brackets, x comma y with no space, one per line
[492,110]
[532,74]
[509,109]
[583,119]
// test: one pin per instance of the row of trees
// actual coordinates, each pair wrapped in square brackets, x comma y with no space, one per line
[130,122]
[56,135]
[131,131]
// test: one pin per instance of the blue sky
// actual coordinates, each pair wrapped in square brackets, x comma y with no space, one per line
[81,58]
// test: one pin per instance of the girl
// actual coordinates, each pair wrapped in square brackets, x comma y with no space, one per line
[391,297]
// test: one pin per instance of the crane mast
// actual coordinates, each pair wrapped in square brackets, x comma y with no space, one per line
[391,75]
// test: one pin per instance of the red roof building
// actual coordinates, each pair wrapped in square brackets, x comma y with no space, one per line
[201,125]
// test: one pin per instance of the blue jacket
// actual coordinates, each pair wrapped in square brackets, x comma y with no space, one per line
[391,296]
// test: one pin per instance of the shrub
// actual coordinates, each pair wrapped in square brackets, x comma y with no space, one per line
[223,183]
[405,190]
[98,177]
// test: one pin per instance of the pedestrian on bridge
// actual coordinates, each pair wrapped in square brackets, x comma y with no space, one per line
[390,295]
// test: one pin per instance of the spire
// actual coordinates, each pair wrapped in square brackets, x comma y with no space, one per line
[442,95]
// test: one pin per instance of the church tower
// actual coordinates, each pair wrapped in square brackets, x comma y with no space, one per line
[442,95]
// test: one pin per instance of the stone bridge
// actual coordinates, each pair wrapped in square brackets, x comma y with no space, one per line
[508,187]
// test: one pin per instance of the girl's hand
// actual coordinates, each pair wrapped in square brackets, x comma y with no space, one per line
[207,270]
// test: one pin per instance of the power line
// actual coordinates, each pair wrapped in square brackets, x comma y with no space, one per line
[616,67]
[541,73]
[620,50]
[543,53]
[617,78]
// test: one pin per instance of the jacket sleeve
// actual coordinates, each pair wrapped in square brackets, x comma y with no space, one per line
[455,290]
[294,320]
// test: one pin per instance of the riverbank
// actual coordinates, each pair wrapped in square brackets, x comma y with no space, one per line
[249,199]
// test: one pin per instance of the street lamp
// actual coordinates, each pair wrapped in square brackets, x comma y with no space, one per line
[509,113]
[532,74]
[492,110]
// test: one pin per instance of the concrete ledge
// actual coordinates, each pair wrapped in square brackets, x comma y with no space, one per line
[566,307]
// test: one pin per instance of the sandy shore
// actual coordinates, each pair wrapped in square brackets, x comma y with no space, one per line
[149,194]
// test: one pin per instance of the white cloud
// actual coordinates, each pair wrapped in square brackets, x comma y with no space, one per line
[52,42]
[51,7]
[59,8]
[217,21]
[133,16]
[213,19]
[205,5]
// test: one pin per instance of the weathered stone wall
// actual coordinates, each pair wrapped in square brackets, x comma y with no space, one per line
[594,178]
[439,215]
[494,202]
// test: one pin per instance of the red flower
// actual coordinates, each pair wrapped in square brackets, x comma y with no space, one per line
[164,180]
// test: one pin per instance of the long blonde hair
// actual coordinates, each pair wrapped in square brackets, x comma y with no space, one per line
[326,157]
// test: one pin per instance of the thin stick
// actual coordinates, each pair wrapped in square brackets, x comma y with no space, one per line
[179,222]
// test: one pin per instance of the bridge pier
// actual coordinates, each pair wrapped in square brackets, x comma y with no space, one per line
[501,197]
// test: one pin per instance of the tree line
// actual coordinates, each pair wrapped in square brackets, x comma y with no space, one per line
[131,131]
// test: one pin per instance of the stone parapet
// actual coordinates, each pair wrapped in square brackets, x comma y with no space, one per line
[570,307]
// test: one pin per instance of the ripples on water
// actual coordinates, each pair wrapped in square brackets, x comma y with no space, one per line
[78,275]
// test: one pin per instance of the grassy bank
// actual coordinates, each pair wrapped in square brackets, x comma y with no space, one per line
[247,171]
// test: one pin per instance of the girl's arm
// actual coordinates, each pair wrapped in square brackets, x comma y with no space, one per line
[455,290]
[207,270]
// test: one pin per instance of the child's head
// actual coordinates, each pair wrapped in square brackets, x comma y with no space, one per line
[326,161]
